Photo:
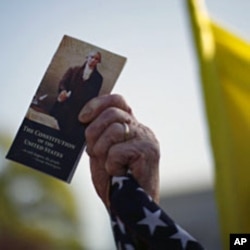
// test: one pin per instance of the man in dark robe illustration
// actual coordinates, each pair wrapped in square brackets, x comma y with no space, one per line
[77,87]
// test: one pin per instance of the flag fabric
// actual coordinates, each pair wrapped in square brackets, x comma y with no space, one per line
[138,223]
[224,62]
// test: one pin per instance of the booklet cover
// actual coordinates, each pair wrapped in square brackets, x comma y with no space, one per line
[51,138]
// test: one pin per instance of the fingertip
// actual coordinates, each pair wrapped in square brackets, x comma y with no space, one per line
[119,101]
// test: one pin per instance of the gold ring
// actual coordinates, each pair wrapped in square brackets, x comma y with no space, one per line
[126,131]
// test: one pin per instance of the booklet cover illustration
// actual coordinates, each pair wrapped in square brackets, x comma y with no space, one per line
[51,138]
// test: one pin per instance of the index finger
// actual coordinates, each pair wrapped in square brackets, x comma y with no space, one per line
[98,104]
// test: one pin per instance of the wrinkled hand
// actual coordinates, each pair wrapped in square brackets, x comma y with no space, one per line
[111,154]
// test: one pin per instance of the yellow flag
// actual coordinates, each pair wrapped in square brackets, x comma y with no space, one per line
[224,61]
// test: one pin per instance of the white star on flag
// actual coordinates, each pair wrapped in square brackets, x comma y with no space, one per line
[152,220]
[183,236]
[126,246]
[142,190]
[129,247]
[121,225]
[119,180]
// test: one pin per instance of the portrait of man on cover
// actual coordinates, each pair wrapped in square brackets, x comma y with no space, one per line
[78,85]
[78,72]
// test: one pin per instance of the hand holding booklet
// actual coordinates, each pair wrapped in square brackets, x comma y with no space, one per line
[51,138]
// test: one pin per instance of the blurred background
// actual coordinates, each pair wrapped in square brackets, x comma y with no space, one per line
[161,83]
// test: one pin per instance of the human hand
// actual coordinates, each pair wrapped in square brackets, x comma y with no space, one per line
[63,96]
[113,152]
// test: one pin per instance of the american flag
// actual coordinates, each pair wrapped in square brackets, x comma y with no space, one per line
[138,223]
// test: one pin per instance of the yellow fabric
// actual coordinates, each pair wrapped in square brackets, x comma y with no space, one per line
[224,61]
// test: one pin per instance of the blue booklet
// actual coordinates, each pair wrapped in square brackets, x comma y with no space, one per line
[51,137]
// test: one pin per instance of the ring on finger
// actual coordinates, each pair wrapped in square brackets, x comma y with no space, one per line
[126,131]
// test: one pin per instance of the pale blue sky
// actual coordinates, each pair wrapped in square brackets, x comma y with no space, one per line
[159,81]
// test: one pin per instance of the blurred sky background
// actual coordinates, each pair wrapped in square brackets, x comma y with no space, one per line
[160,79]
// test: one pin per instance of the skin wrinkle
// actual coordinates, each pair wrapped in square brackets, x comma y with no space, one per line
[89,112]
[117,160]
[109,116]
[139,173]
[100,179]
[112,134]
[110,155]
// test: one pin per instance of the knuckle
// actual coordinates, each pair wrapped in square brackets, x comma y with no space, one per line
[109,138]
[114,169]
[116,98]
[111,112]
[115,128]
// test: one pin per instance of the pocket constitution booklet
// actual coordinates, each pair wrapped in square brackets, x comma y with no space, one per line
[51,138]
